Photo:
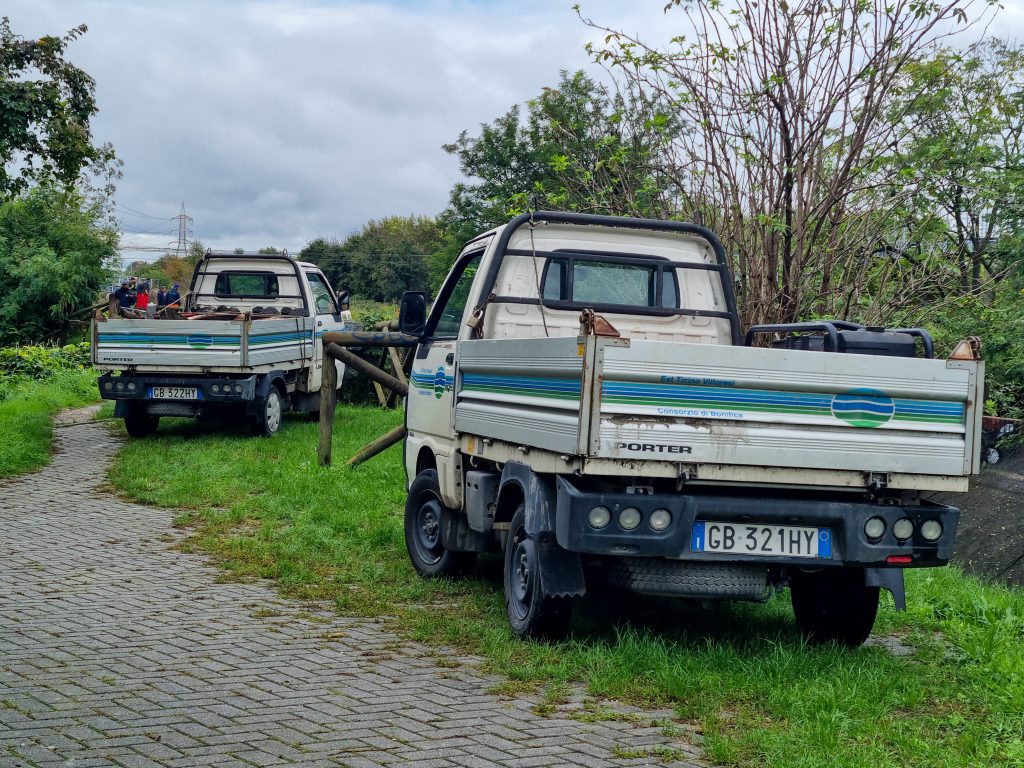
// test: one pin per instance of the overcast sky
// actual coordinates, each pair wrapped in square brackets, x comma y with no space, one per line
[278,122]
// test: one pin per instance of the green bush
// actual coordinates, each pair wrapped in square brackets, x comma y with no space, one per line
[369,312]
[41,362]
[999,321]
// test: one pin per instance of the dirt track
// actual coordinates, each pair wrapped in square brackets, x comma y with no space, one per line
[990,542]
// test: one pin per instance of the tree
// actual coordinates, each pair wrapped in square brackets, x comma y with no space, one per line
[786,130]
[579,147]
[962,154]
[46,104]
[54,259]
[381,261]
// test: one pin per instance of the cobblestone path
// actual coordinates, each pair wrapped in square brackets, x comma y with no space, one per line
[116,649]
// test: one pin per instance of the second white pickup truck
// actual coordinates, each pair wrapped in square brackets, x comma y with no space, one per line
[248,343]
[583,399]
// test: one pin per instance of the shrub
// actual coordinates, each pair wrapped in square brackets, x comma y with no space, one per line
[41,362]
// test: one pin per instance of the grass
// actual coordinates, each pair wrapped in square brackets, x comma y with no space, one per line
[26,417]
[740,672]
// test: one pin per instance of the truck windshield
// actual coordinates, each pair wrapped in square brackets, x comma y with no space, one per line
[608,282]
[246,285]
[321,294]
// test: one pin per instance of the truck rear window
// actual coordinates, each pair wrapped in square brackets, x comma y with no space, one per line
[246,285]
[582,281]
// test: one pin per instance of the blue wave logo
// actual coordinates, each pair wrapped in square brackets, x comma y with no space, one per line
[199,342]
[863,407]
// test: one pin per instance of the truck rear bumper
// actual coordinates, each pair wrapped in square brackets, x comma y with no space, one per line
[844,519]
[210,390]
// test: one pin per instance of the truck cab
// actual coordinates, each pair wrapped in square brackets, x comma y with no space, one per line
[583,399]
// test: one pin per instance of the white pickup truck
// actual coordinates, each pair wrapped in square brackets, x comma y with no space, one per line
[247,343]
[582,398]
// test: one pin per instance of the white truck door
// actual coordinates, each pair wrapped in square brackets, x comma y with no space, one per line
[327,317]
[430,412]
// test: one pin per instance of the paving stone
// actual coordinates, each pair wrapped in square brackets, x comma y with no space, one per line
[117,649]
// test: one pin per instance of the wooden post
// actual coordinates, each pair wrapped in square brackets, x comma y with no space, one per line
[397,365]
[382,396]
[381,443]
[328,401]
[369,369]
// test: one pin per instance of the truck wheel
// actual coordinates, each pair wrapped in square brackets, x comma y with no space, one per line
[834,605]
[138,423]
[268,422]
[423,512]
[530,613]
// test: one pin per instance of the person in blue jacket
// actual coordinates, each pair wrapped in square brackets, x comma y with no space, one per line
[172,296]
[125,295]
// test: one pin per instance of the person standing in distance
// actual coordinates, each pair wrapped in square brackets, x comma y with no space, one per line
[172,296]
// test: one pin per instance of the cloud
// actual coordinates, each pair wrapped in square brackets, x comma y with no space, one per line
[277,122]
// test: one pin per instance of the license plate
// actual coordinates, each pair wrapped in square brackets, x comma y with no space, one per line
[761,540]
[174,393]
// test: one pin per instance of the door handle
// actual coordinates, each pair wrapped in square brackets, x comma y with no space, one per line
[450,359]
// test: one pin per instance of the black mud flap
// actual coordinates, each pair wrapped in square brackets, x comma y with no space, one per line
[889,579]
[561,571]
[457,536]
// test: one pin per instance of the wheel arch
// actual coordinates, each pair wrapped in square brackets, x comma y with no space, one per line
[561,570]
[510,496]
[425,460]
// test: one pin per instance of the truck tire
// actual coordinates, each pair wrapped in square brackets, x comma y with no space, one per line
[423,512]
[530,613]
[679,578]
[271,413]
[138,423]
[834,605]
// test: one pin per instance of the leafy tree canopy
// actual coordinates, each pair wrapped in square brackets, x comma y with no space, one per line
[381,261]
[54,259]
[578,147]
[46,103]
[962,156]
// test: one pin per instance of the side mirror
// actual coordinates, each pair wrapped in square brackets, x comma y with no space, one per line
[343,297]
[412,313]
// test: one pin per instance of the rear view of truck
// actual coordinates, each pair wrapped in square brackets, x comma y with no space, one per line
[245,345]
[608,424]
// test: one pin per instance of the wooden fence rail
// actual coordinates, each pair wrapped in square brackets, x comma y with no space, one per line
[335,348]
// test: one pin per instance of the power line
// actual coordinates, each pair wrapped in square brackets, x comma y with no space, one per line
[166,231]
[134,212]
[134,247]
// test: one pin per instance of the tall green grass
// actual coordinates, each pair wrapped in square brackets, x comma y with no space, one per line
[27,408]
[761,695]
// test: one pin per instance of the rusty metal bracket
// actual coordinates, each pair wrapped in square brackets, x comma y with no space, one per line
[593,324]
